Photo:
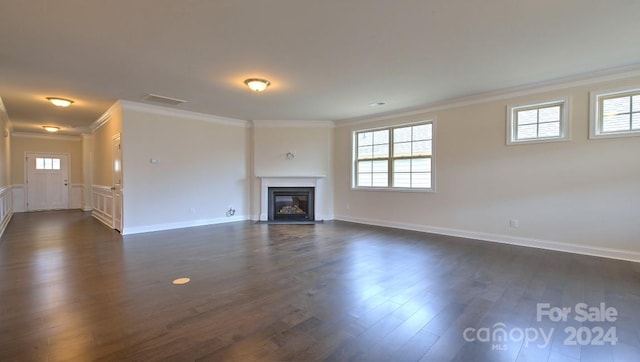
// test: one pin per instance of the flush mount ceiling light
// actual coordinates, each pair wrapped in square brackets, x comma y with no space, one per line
[60,102]
[257,84]
[51,129]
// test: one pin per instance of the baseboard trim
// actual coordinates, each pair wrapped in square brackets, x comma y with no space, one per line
[5,222]
[180,225]
[504,239]
[102,218]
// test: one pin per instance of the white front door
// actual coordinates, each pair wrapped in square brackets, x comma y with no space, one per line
[47,181]
[116,151]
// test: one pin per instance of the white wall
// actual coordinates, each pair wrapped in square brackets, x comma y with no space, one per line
[312,144]
[202,168]
[581,195]
[6,198]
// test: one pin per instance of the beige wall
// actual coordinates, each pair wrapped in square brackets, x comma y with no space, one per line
[20,145]
[101,142]
[5,149]
[311,143]
[581,192]
[201,169]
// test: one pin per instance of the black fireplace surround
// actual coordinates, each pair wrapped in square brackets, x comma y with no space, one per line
[291,203]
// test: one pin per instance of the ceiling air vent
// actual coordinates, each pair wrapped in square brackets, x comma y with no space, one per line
[164,100]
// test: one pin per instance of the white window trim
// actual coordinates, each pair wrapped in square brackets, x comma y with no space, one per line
[594,114]
[565,123]
[354,156]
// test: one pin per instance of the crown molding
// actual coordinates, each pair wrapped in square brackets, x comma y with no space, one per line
[196,116]
[292,124]
[52,137]
[602,76]
[104,118]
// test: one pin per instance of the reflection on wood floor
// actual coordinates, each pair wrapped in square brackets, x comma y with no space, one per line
[71,289]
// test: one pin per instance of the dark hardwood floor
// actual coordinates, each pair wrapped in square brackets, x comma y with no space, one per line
[71,289]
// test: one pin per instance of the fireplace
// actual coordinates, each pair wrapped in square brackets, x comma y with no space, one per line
[291,203]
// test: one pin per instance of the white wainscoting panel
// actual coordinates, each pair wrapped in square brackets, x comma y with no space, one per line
[77,197]
[103,204]
[6,207]
[19,198]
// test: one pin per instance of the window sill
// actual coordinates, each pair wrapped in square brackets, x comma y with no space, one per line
[396,189]
[538,140]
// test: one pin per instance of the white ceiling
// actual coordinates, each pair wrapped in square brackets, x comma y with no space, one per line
[326,59]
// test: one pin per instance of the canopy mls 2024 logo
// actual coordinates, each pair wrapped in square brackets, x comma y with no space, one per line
[499,336]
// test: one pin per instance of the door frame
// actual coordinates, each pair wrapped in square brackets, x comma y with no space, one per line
[26,175]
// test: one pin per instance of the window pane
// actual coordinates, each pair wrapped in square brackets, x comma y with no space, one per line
[615,123]
[549,114]
[528,131]
[551,129]
[527,117]
[421,148]
[422,132]
[365,152]
[635,104]
[381,137]
[402,165]
[421,165]
[380,166]
[401,180]
[614,106]
[56,163]
[381,151]
[380,180]
[364,166]
[39,163]
[402,134]
[365,138]
[421,180]
[636,121]
[364,179]
[47,163]
[402,149]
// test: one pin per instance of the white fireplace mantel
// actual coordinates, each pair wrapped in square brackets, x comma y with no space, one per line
[292,181]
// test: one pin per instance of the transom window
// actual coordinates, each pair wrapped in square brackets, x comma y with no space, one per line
[46,163]
[537,122]
[394,157]
[616,114]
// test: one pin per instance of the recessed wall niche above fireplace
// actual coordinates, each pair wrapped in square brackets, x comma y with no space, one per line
[291,203]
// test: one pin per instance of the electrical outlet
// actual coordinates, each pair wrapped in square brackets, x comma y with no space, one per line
[514,223]
[192,210]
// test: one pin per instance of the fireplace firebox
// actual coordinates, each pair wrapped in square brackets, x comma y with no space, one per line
[291,203]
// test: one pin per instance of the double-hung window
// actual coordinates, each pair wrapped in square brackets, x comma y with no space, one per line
[394,157]
[540,122]
[615,114]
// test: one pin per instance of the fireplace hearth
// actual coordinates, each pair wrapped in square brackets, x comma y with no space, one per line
[291,204]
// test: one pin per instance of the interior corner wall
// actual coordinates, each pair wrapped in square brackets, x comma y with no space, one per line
[101,144]
[579,195]
[180,171]
[5,151]
[312,146]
